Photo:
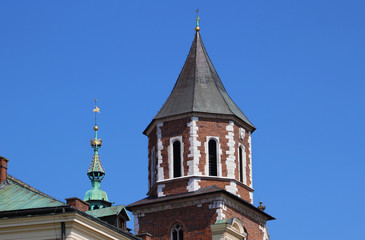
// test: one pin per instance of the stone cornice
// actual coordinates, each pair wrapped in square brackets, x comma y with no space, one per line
[213,199]
[202,177]
[240,122]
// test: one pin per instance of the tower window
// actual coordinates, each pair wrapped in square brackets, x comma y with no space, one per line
[177,232]
[240,157]
[212,152]
[242,164]
[177,158]
[153,166]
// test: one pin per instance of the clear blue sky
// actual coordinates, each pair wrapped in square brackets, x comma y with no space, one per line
[295,68]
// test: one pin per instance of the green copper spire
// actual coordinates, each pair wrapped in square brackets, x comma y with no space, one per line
[96,197]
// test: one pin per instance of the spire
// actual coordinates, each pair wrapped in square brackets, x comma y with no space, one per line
[96,197]
[96,171]
[199,89]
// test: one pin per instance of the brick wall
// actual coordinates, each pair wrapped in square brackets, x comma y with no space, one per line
[78,204]
[253,227]
[206,127]
[195,220]
[3,169]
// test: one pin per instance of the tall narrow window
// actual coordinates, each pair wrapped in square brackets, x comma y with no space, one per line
[242,163]
[177,158]
[153,166]
[212,151]
[241,166]
[177,232]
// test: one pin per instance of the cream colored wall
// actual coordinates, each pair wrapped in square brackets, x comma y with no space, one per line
[49,228]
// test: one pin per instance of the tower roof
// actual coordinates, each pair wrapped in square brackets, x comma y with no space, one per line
[199,89]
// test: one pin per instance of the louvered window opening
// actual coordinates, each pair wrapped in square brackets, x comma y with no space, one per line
[177,158]
[212,152]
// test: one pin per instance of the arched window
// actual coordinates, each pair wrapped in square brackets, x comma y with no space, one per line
[153,166]
[177,158]
[242,164]
[240,156]
[177,232]
[212,152]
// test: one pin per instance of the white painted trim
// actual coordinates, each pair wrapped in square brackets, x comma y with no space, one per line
[171,155]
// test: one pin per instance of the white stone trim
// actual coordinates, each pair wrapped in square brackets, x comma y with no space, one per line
[193,184]
[231,158]
[159,190]
[250,159]
[136,225]
[264,230]
[232,188]
[194,151]
[219,156]
[244,163]
[242,133]
[251,197]
[171,156]
[160,172]
[220,206]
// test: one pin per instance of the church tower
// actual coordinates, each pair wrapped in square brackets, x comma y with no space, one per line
[200,166]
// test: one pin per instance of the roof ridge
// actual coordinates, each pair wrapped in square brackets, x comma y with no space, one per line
[30,188]
[195,68]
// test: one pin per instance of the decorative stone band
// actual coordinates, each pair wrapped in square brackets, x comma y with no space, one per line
[151,126]
[203,177]
[215,202]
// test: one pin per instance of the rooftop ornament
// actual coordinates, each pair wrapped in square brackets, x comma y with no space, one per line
[197,28]
[96,197]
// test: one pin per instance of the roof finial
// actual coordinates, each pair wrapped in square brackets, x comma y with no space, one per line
[96,110]
[96,197]
[197,28]
[96,171]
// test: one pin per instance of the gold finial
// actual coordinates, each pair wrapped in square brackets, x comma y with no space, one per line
[96,110]
[197,28]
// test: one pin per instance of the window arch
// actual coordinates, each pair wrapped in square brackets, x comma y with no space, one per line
[242,164]
[177,232]
[212,157]
[176,148]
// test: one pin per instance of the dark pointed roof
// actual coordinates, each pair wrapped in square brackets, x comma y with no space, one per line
[199,88]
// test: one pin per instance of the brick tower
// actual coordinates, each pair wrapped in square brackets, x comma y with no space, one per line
[200,166]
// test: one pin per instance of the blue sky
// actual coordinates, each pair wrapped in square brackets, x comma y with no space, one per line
[295,68]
